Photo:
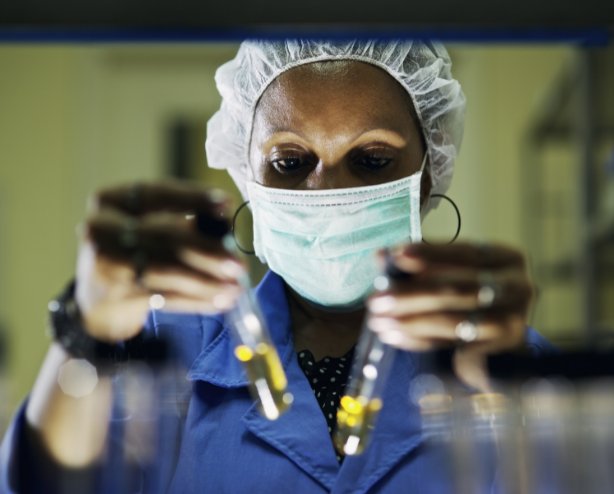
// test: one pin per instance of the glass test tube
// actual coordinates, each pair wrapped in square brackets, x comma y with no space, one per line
[362,401]
[256,350]
[360,405]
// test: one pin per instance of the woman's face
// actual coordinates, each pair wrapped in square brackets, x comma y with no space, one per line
[335,125]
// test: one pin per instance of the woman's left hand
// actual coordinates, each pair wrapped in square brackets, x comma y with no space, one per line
[473,296]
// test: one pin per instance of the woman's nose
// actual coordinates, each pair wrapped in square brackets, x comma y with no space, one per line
[332,175]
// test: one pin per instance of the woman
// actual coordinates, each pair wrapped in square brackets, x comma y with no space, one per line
[338,146]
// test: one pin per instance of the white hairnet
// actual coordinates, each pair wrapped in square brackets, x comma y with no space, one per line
[422,68]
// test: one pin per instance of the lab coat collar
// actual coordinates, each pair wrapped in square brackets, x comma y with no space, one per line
[217,364]
[302,432]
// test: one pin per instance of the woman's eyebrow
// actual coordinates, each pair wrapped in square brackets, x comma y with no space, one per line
[283,137]
[384,136]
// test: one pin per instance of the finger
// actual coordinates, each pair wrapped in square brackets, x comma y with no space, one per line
[459,278]
[181,282]
[113,321]
[399,339]
[453,288]
[221,302]
[439,330]
[512,296]
[489,256]
[176,196]
[223,269]
[182,221]
[118,238]
[470,361]
[456,279]
[407,305]
[433,327]
[105,269]
[101,278]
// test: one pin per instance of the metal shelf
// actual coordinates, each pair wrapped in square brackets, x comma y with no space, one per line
[577,112]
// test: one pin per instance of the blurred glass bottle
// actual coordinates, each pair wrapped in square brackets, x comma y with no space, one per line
[596,423]
[469,430]
[254,346]
[256,350]
[360,405]
[151,396]
[551,440]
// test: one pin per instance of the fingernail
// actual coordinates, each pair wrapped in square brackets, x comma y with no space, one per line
[223,301]
[232,269]
[392,337]
[380,324]
[379,305]
[397,250]
[412,249]
[410,264]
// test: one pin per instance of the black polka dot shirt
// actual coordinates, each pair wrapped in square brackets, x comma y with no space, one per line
[327,378]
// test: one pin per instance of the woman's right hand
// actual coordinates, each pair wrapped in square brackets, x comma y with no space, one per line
[143,240]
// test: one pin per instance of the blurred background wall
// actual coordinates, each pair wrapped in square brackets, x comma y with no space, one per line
[74,119]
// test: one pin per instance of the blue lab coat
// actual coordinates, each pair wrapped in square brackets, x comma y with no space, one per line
[222,444]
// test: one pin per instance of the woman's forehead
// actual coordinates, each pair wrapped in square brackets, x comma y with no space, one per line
[350,92]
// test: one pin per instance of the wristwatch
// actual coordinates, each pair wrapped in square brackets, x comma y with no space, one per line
[65,327]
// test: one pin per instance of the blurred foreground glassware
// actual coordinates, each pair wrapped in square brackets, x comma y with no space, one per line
[431,395]
[541,433]
[483,431]
[256,350]
[254,346]
[150,397]
[360,406]
[547,428]
[521,438]
[467,429]
[362,401]
[596,409]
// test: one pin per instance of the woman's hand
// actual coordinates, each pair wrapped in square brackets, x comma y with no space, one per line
[143,240]
[486,285]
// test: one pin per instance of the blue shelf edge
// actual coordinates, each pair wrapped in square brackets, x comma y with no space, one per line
[581,37]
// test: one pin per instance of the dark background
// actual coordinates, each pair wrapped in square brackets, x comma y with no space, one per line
[585,22]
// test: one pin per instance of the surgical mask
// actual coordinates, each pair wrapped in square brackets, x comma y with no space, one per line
[323,243]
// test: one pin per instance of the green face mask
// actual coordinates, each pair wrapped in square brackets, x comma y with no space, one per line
[324,243]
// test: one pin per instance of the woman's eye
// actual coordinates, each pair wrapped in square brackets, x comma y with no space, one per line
[288,163]
[373,162]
